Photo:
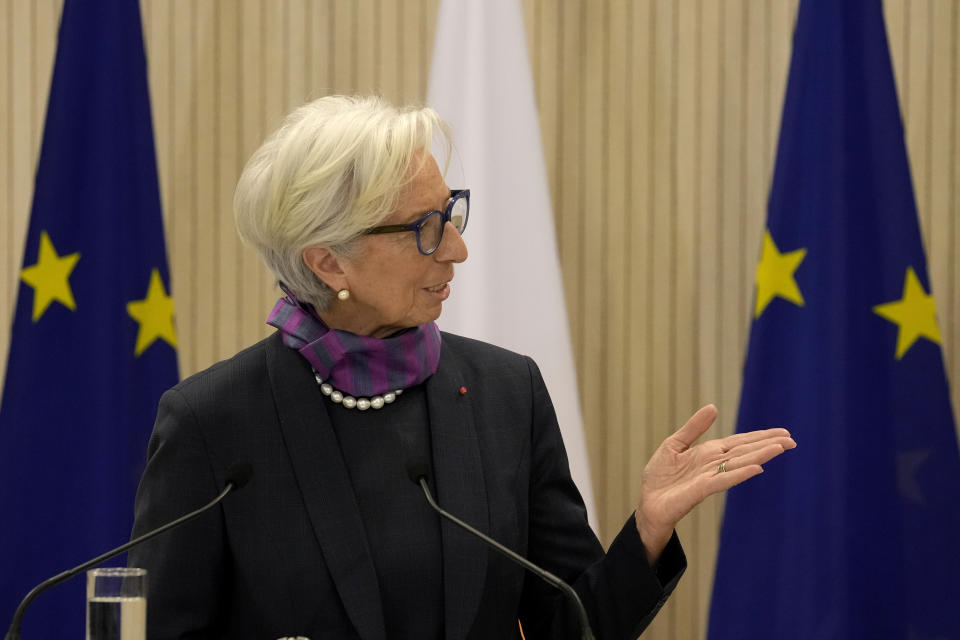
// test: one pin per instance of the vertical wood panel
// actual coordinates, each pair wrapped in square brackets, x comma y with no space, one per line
[252,97]
[589,217]
[343,46]
[274,89]
[618,210]
[413,87]
[227,122]
[639,195]
[684,175]
[730,202]
[204,217]
[12,242]
[709,175]
[661,260]
[180,177]
[390,42]
[158,31]
[939,130]
[634,436]
[568,143]
[428,26]
[701,546]
[318,49]
[294,42]
[365,26]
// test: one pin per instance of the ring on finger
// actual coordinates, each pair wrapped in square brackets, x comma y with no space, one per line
[722,467]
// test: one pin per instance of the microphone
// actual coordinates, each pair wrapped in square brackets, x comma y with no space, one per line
[238,475]
[419,470]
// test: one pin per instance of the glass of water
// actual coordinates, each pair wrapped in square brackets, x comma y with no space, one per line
[117,604]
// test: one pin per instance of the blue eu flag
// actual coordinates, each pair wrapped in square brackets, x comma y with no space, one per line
[93,343]
[857,535]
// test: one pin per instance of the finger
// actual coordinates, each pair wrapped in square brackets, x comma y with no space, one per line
[757,457]
[745,449]
[722,481]
[695,426]
[738,439]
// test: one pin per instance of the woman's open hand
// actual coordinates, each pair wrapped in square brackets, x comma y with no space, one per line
[681,474]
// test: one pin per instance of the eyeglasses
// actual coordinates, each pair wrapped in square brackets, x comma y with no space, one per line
[429,227]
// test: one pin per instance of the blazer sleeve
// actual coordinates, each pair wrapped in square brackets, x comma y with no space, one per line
[185,566]
[619,589]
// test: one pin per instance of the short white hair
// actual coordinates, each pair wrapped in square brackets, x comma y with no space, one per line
[332,170]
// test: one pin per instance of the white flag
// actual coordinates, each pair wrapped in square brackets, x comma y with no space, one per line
[510,291]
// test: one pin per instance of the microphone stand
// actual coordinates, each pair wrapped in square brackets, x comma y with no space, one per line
[14,632]
[586,632]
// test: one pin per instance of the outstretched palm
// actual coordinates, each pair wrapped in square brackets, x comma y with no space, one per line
[681,474]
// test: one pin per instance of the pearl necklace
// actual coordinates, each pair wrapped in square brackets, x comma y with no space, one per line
[349,402]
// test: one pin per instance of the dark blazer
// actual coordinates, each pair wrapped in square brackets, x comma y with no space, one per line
[288,555]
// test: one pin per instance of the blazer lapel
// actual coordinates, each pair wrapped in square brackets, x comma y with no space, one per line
[325,484]
[460,489]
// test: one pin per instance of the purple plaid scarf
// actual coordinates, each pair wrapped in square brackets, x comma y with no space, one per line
[358,365]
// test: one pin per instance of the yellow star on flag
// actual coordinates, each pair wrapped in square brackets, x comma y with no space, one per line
[915,313]
[775,275]
[155,315]
[50,278]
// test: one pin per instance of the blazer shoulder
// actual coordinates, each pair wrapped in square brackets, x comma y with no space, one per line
[244,368]
[473,349]
[495,364]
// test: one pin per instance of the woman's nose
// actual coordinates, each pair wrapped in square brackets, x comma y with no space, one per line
[452,247]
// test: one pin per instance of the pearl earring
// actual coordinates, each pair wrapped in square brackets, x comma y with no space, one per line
[343,294]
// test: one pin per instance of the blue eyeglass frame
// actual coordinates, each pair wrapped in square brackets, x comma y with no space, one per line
[416,225]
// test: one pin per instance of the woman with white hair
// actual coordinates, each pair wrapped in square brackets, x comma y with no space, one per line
[349,209]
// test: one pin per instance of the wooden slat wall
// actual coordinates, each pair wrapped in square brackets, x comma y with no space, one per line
[659,120]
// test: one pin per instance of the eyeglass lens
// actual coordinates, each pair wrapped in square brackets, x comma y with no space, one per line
[430,232]
[432,229]
[458,215]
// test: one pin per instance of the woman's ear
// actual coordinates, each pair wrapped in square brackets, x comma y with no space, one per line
[325,266]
